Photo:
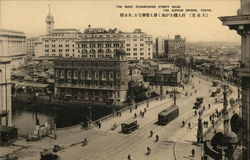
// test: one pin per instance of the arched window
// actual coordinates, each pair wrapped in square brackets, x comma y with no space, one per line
[92,51]
[100,51]
[84,51]
[108,51]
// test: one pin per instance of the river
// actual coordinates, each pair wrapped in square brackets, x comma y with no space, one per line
[24,116]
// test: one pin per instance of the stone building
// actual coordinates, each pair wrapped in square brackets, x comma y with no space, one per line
[92,80]
[13,46]
[98,42]
[5,92]
[138,45]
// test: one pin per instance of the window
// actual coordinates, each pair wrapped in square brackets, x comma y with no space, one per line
[141,49]
[116,45]
[141,53]
[108,51]
[108,45]
[128,49]
[96,75]
[92,51]
[134,49]
[110,75]
[117,75]
[68,74]
[135,54]
[128,45]
[62,73]
[134,39]
[53,45]
[67,45]
[88,75]
[141,44]
[75,74]
[67,50]
[100,51]
[60,50]
[60,45]
[46,50]
[103,75]
[53,50]
[46,45]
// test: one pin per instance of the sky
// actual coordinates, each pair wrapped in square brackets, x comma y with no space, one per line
[29,17]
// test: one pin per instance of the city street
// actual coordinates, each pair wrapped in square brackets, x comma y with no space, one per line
[175,141]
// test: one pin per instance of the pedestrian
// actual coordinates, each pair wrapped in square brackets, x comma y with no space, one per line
[195,112]
[209,106]
[151,133]
[145,110]
[136,106]
[147,104]
[148,150]
[156,138]
[129,157]
[189,125]
[142,115]
[130,110]
[193,152]
[135,115]
[183,123]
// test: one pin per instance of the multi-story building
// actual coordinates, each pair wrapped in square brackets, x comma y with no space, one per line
[60,42]
[98,42]
[174,47]
[159,46]
[92,80]
[30,45]
[138,45]
[13,46]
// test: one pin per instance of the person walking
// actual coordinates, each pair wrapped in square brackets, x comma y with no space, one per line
[193,152]
[189,125]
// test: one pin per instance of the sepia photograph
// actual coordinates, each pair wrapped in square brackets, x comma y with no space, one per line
[124,79]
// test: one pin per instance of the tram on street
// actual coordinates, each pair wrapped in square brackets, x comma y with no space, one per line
[168,115]
[198,103]
[129,126]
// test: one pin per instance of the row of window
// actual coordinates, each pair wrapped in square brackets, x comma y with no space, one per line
[100,45]
[60,45]
[87,74]
[59,50]
[135,54]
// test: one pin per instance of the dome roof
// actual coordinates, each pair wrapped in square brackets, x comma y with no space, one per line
[230,138]
[120,52]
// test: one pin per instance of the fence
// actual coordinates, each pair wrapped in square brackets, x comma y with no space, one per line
[122,110]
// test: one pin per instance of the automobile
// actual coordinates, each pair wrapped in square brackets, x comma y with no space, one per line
[47,155]
[57,148]
[213,94]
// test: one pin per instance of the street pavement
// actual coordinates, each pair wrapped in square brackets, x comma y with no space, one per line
[175,142]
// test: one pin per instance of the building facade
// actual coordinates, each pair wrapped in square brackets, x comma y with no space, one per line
[13,46]
[92,80]
[160,46]
[138,45]
[60,42]
[5,92]
[175,47]
[241,24]
[98,42]
[30,46]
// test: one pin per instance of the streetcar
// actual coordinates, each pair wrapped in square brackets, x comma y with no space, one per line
[168,115]
[129,126]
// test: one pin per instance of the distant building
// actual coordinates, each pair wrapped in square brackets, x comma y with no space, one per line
[160,46]
[30,46]
[98,42]
[13,46]
[175,47]
[138,45]
[92,80]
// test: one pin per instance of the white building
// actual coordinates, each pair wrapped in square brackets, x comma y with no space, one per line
[5,92]
[13,46]
[30,45]
[60,42]
[138,45]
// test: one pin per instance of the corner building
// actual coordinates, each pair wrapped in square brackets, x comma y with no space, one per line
[138,45]
[92,80]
